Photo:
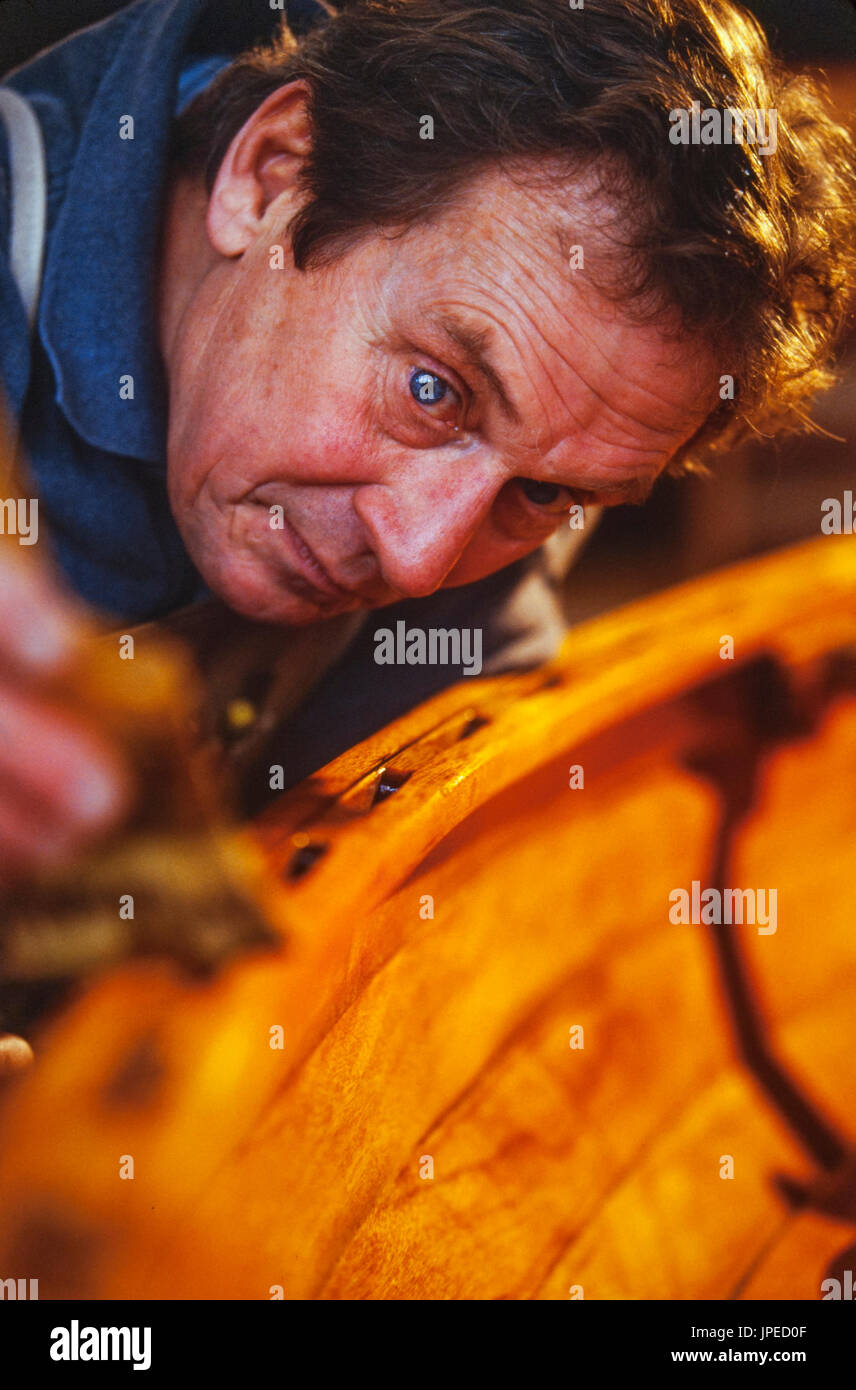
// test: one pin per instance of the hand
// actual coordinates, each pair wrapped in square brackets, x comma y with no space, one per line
[61,781]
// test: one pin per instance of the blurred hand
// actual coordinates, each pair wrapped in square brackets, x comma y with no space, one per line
[61,781]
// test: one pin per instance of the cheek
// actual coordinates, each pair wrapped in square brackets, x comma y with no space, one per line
[524,526]
[341,446]
[509,532]
[303,459]
[490,550]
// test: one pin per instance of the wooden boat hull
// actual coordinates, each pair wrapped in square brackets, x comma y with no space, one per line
[504,1072]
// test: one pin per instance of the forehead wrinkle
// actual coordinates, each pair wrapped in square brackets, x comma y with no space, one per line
[496,324]
[525,359]
[587,425]
[624,413]
[511,305]
[527,317]
[669,431]
[576,324]
[636,489]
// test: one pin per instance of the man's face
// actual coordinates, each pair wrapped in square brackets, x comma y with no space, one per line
[394,403]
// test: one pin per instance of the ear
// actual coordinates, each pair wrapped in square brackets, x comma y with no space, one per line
[261,164]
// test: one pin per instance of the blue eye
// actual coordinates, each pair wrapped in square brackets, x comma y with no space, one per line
[427,388]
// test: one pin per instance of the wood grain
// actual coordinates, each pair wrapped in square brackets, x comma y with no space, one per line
[448,1036]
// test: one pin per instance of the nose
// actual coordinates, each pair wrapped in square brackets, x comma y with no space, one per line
[420,523]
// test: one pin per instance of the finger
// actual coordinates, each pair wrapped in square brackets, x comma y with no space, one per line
[39,626]
[73,778]
[26,835]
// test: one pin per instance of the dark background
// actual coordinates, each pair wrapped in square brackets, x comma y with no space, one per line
[802,30]
[762,496]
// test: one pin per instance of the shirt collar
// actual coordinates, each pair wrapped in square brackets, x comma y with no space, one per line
[97,316]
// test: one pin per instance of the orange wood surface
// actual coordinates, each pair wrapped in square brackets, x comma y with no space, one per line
[408,1037]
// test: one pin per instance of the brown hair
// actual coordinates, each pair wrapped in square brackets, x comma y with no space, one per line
[756,253]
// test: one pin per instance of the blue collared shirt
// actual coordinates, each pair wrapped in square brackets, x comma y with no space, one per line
[99,460]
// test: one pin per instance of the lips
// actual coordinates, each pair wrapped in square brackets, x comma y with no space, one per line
[313,571]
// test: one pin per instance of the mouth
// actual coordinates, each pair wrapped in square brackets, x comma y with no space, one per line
[313,576]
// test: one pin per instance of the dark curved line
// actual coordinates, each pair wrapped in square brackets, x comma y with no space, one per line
[817,1135]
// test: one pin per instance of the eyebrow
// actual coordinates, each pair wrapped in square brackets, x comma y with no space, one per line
[473,343]
[634,491]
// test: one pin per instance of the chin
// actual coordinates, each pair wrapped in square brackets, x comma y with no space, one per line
[278,604]
[273,599]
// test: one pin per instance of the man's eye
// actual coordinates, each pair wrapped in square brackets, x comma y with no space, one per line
[550,496]
[428,388]
[431,390]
